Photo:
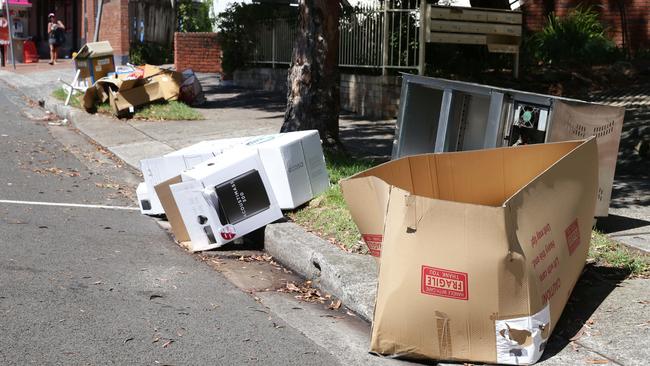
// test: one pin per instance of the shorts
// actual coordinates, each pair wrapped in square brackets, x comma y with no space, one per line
[53,42]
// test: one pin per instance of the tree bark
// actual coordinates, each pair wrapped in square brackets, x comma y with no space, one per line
[313,97]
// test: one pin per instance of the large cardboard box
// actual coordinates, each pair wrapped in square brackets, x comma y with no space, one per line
[231,197]
[295,164]
[481,249]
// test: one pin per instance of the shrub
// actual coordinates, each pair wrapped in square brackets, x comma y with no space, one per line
[150,53]
[578,37]
[194,16]
[238,26]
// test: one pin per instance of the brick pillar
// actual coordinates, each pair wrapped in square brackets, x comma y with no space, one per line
[114,26]
[197,51]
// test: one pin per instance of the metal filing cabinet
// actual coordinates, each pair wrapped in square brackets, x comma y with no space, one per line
[438,115]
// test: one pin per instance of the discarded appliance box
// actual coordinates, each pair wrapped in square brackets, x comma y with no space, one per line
[294,163]
[481,249]
[147,205]
[94,61]
[231,197]
[160,169]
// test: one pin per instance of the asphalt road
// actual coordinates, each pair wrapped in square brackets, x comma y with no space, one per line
[87,285]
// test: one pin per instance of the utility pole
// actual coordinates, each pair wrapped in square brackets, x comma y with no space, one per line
[11,36]
[85,21]
[98,21]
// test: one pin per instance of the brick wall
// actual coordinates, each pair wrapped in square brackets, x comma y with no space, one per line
[366,95]
[114,26]
[197,51]
[638,17]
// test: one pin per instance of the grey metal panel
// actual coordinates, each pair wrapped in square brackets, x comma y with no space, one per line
[418,119]
[443,121]
[400,117]
[474,88]
[494,120]
[477,119]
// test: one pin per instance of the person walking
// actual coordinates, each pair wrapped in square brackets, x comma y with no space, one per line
[55,29]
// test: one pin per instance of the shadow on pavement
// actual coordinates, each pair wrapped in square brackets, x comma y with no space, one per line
[592,288]
[616,223]
[234,97]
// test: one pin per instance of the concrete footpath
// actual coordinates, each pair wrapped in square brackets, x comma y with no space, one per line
[607,320]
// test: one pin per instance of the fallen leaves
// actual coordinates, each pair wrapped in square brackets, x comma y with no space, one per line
[307,293]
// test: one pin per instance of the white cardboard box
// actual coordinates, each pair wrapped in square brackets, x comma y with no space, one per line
[147,205]
[294,163]
[229,197]
[296,166]
[158,170]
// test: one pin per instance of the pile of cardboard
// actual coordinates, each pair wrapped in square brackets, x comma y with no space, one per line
[480,250]
[217,191]
[125,92]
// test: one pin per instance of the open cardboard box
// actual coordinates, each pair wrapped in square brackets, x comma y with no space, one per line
[480,249]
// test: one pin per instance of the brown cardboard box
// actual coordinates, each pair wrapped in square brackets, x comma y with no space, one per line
[171,209]
[94,61]
[126,99]
[481,249]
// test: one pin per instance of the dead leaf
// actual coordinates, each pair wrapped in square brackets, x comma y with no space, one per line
[599,361]
[292,288]
[168,343]
[154,296]
[128,339]
[578,335]
[97,283]
[335,305]
[155,340]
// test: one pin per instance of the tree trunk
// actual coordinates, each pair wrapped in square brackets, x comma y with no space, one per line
[313,100]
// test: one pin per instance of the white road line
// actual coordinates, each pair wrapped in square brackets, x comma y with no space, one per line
[68,205]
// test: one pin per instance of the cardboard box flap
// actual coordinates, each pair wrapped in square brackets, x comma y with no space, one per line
[482,177]
[94,49]
[551,220]
[172,212]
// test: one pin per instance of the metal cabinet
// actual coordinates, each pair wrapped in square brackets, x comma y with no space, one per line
[438,115]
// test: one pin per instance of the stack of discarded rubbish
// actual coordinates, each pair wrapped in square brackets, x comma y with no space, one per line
[135,86]
[217,191]
[128,87]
